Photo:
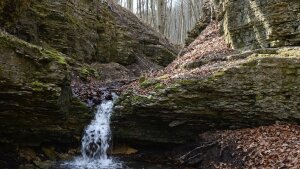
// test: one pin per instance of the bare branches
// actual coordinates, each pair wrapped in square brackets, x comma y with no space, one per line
[173,18]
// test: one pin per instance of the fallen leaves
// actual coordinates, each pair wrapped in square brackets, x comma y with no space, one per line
[208,50]
[276,146]
[209,44]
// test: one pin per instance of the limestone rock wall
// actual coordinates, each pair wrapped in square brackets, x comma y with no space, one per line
[36,104]
[50,41]
[47,41]
[258,85]
[252,24]
[258,88]
[88,31]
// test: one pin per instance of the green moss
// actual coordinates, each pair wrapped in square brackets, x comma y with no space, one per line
[290,71]
[142,79]
[173,88]
[219,74]
[148,82]
[85,72]
[72,19]
[159,86]
[55,55]
[251,63]
[136,99]
[39,86]
[39,11]
[164,57]
[10,41]
[259,97]
[188,82]
[76,102]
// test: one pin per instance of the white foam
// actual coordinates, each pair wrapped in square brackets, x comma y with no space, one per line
[95,141]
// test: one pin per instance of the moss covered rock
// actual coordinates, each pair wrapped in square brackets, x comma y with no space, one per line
[262,23]
[258,89]
[253,24]
[36,102]
[88,31]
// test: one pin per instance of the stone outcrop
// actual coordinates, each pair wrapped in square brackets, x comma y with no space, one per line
[36,98]
[43,45]
[253,24]
[203,22]
[87,31]
[259,89]
[49,38]
[257,84]
[261,23]
[36,103]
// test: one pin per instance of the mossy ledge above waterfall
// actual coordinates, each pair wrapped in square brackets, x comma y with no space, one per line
[37,107]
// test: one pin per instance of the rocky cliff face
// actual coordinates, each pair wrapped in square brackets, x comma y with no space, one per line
[87,31]
[36,92]
[261,23]
[213,87]
[42,45]
[253,24]
[37,106]
[260,89]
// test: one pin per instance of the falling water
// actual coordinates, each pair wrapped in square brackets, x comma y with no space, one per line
[95,141]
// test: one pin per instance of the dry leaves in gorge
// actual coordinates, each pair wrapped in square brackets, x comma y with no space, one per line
[276,146]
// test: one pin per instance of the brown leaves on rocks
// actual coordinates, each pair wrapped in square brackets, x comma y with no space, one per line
[200,59]
[209,44]
[276,146]
[94,91]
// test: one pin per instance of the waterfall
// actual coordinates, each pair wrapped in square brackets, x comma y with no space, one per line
[96,138]
[95,141]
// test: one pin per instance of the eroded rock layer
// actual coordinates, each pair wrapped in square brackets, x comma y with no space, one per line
[36,100]
[261,89]
[242,73]
[88,31]
[261,23]
[43,45]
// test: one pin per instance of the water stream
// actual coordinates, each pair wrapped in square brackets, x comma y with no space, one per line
[95,144]
[95,141]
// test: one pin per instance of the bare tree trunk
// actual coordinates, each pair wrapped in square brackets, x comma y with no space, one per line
[129,5]
[161,15]
[173,18]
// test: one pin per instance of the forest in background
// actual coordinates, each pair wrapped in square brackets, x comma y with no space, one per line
[173,18]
